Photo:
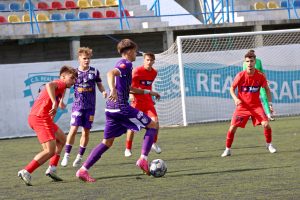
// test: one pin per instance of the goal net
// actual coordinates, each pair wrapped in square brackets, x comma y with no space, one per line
[195,74]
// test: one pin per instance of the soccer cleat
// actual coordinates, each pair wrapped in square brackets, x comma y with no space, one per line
[25,176]
[77,161]
[143,164]
[65,160]
[271,148]
[156,148]
[226,152]
[84,176]
[127,153]
[51,172]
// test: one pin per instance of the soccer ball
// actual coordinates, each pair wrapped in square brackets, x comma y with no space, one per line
[158,168]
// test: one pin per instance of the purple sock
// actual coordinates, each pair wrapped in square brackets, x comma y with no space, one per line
[68,148]
[95,155]
[81,150]
[148,141]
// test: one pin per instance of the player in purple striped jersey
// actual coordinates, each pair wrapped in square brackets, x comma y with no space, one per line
[120,116]
[83,109]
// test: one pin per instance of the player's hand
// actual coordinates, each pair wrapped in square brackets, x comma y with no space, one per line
[104,93]
[131,97]
[157,96]
[53,110]
[113,95]
[62,105]
[237,101]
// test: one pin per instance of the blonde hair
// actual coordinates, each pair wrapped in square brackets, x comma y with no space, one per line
[68,70]
[85,50]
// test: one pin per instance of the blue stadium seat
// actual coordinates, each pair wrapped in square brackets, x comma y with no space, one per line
[2,6]
[83,15]
[26,6]
[56,17]
[14,6]
[283,4]
[70,16]
[296,4]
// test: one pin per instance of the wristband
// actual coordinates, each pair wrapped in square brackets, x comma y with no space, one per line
[270,103]
[147,91]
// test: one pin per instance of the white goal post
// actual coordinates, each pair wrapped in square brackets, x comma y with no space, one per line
[195,74]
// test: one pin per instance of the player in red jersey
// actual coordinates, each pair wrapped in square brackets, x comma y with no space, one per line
[143,77]
[248,103]
[40,119]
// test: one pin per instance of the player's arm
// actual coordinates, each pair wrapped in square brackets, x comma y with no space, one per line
[61,104]
[51,87]
[111,78]
[143,91]
[268,92]
[102,89]
[237,101]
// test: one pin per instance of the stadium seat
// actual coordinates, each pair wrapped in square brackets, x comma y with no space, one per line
[56,5]
[26,18]
[272,5]
[13,19]
[70,4]
[70,16]
[296,4]
[14,6]
[3,19]
[97,14]
[56,17]
[83,15]
[2,6]
[110,14]
[283,4]
[83,4]
[26,5]
[126,13]
[260,6]
[41,17]
[111,3]
[43,5]
[96,3]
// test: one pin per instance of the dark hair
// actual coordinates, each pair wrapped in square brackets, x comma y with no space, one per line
[125,45]
[68,70]
[150,54]
[250,55]
[251,51]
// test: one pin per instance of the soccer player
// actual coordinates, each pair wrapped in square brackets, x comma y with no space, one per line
[40,119]
[143,77]
[263,95]
[248,103]
[83,109]
[120,116]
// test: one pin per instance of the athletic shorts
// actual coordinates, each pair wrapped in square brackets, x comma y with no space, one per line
[83,118]
[147,108]
[117,122]
[44,128]
[242,114]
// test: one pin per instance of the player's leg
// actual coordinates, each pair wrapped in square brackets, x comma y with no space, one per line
[264,100]
[87,121]
[60,142]
[229,140]
[129,141]
[155,145]
[69,144]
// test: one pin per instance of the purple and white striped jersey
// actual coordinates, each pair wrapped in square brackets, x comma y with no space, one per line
[123,83]
[85,89]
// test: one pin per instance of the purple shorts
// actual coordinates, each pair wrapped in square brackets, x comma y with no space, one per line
[118,122]
[83,118]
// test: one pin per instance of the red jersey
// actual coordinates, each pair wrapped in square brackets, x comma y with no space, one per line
[249,87]
[43,104]
[143,79]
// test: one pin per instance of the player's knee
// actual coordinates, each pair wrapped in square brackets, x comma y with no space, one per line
[153,125]
[266,125]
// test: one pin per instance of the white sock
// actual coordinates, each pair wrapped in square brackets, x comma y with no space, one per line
[144,157]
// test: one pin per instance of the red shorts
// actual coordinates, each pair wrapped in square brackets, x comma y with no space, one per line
[241,115]
[147,108]
[44,128]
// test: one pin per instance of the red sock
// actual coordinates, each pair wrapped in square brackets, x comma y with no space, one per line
[32,166]
[268,135]
[54,160]
[128,144]
[155,138]
[229,139]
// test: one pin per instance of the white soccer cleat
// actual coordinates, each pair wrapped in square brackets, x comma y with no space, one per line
[226,152]
[65,160]
[77,161]
[271,148]
[127,153]
[156,148]
[25,176]
[51,172]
